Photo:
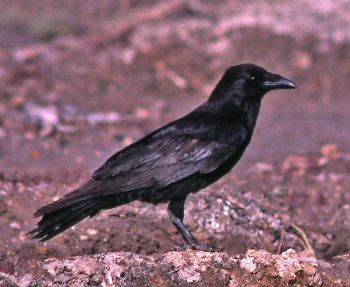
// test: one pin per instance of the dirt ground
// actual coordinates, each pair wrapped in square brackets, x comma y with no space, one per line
[81,79]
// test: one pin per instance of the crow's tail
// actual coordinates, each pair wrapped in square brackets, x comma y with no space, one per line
[74,207]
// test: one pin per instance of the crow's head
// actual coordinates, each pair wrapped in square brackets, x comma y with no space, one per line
[248,82]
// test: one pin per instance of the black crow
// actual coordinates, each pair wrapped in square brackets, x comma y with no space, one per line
[179,158]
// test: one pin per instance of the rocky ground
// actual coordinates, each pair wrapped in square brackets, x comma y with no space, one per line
[79,80]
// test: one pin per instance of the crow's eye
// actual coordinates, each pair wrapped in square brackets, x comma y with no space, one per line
[253,79]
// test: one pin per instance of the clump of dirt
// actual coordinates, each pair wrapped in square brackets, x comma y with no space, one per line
[186,268]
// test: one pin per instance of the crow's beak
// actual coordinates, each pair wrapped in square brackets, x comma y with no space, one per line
[275,82]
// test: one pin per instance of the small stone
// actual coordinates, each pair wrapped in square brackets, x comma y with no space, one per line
[103,118]
[309,270]
[22,236]
[43,250]
[271,271]
[29,136]
[26,280]
[295,163]
[248,264]
[302,60]
[322,161]
[219,46]
[83,237]
[280,191]
[202,204]
[96,279]
[45,116]
[128,56]
[179,81]
[15,225]
[17,100]
[91,231]
[127,141]
[329,151]
[35,153]
[27,53]
[262,167]
[141,113]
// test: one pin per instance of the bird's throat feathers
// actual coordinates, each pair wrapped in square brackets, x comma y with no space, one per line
[245,109]
[251,111]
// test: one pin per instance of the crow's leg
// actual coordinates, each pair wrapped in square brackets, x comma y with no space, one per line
[176,214]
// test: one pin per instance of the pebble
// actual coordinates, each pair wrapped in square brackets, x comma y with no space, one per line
[103,118]
[262,167]
[127,140]
[15,225]
[128,56]
[35,153]
[42,114]
[96,279]
[141,113]
[280,191]
[83,237]
[46,116]
[27,53]
[302,60]
[91,231]
[329,151]
[26,280]
[43,250]
[295,162]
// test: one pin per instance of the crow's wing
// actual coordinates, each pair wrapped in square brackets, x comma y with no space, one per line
[171,155]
